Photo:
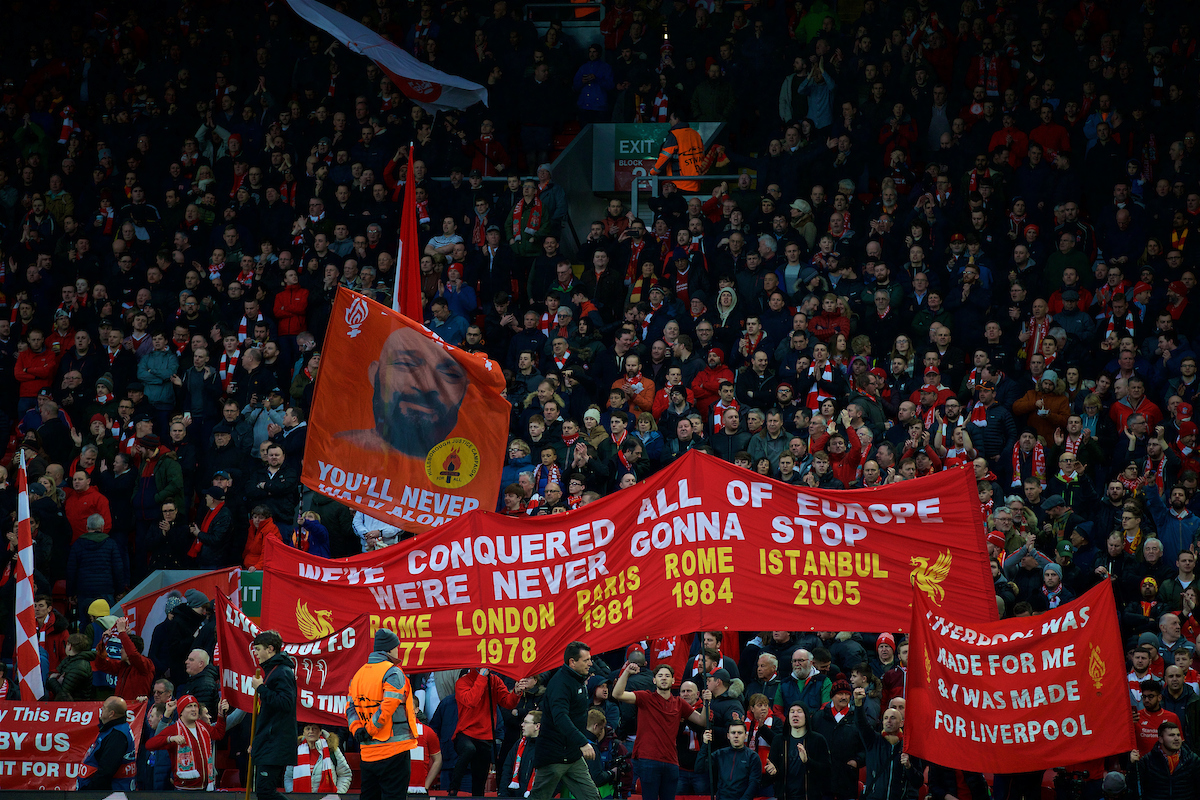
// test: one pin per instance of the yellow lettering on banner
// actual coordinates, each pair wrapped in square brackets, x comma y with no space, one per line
[505,620]
[826,563]
[492,651]
[701,561]
[705,592]
[834,592]
[626,580]
[415,626]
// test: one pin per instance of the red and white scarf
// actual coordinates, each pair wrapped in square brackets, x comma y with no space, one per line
[535,217]
[1039,464]
[1157,470]
[1126,327]
[1072,445]
[815,395]
[227,365]
[515,780]
[194,759]
[244,324]
[68,124]
[1037,332]
[315,766]
[214,270]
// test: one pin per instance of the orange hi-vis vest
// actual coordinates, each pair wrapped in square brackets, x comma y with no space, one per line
[376,692]
[685,144]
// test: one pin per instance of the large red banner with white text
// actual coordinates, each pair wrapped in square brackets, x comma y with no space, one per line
[699,545]
[42,745]
[404,427]
[324,665]
[1020,694]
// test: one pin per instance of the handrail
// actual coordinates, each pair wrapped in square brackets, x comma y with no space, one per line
[654,180]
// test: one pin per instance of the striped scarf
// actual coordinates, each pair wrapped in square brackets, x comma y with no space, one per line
[1038,465]
[515,781]
[815,395]
[227,365]
[315,765]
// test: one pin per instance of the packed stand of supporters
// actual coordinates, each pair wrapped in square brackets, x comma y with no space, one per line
[958,239]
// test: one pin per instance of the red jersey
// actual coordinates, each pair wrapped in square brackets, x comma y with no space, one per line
[427,747]
[658,726]
[1146,727]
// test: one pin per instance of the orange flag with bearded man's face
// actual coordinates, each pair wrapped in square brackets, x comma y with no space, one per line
[404,427]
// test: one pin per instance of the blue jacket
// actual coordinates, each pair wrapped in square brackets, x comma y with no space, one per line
[813,693]
[594,96]
[113,754]
[155,371]
[1174,532]
[95,568]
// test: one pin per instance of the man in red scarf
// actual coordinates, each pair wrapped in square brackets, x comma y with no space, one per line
[212,533]
[192,745]
[638,390]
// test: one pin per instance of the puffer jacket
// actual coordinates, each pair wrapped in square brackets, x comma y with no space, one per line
[75,677]
[95,568]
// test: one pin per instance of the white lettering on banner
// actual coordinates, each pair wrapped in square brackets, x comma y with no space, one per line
[415,504]
[1029,732]
[817,517]
[43,742]
[1060,623]
[522,584]
[452,592]
[693,527]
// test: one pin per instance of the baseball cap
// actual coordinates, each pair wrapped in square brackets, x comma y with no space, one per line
[1064,548]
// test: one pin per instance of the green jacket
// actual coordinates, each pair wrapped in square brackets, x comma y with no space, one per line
[168,480]
[75,677]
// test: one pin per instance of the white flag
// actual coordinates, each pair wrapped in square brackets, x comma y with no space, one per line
[431,89]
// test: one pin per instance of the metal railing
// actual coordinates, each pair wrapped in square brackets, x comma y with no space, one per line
[652,182]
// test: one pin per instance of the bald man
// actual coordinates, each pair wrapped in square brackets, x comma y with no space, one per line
[110,763]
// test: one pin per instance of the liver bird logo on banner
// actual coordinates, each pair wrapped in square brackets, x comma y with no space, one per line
[313,624]
[929,579]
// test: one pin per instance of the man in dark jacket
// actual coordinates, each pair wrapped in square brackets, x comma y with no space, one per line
[737,768]
[562,743]
[95,570]
[276,486]
[891,773]
[1157,778]
[275,730]
[113,756]
[515,777]
[201,680]
[835,722]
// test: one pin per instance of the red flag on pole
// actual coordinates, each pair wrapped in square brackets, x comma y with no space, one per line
[406,294]
[29,662]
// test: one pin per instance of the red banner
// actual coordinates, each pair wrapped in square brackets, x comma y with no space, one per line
[42,745]
[145,613]
[404,427]
[324,666]
[1018,695]
[700,545]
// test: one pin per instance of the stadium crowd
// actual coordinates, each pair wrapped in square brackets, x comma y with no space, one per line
[958,236]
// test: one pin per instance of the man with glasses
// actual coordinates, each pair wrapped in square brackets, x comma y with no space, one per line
[806,684]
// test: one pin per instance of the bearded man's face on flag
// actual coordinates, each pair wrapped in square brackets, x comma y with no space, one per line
[418,390]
